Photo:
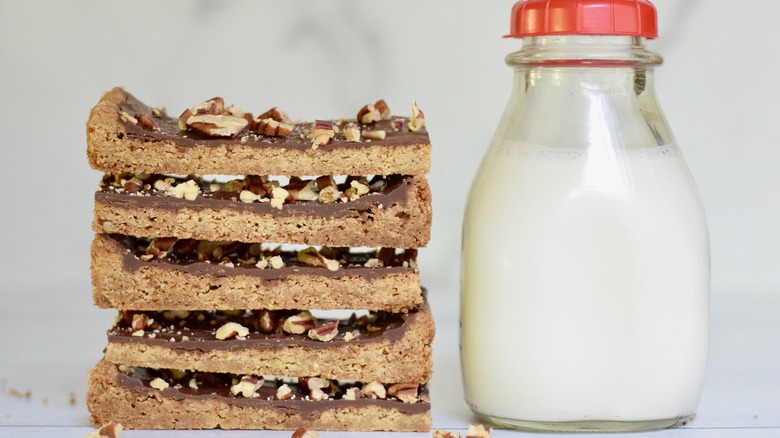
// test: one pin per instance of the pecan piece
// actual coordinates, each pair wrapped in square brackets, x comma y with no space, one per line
[247,386]
[108,430]
[445,434]
[284,392]
[276,115]
[418,118]
[300,323]
[328,191]
[353,393]
[147,122]
[231,330]
[272,128]
[374,390]
[217,125]
[140,322]
[352,134]
[312,257]
[325,332]
[384,110]
[211,118]
[304,433]
[159,384]
[375,135]
[302,190]
[406,392]
[368,114]
[160,246]
[478,431]
[321,133]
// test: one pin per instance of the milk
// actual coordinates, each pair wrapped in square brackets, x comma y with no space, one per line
[585,284]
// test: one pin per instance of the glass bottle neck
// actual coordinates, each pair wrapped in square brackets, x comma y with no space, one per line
[575,91]
[583,50]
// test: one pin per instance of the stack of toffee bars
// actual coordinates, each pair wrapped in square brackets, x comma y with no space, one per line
[264,270]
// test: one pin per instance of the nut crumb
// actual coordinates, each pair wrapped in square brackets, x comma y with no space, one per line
[304,433]
[72,400]
[108,430]
[348,336]
[352,134]
[128,118]
[478,431]
[445,434]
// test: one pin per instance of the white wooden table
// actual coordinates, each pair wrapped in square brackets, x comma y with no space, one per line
[50,336]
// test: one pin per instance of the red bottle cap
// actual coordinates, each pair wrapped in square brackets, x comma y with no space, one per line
[583,17]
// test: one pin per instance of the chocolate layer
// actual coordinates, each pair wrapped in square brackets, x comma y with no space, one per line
[215,386]
[181,258]
[396,192]
[298,140]
[196,332]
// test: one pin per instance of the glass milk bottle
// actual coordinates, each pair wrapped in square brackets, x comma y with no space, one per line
[585,264]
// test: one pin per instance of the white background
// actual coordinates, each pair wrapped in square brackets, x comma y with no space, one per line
[318,59]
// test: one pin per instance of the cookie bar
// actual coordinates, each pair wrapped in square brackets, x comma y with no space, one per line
[398,216]
[126,274]
[388,347]
[160,399]
[125,135]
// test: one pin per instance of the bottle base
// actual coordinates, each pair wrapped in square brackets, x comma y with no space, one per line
[594,426]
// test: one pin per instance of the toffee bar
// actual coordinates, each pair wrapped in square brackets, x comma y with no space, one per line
[126,135]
